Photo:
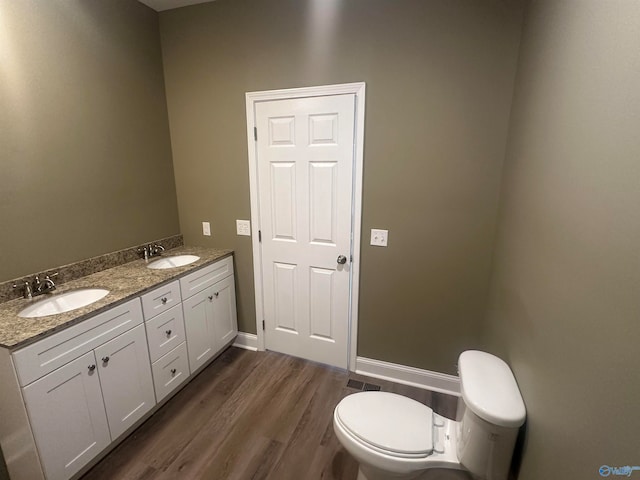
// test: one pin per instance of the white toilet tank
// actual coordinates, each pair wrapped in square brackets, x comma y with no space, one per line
[493,413]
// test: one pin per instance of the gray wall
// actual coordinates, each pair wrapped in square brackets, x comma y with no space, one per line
[439,80]
[86,156]
[565,301]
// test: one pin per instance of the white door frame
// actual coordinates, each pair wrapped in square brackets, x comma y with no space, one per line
[358,89]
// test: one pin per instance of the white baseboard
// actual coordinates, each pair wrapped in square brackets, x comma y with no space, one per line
[416,377]
[248,341]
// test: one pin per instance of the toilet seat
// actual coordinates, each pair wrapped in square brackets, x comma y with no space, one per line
[387,423]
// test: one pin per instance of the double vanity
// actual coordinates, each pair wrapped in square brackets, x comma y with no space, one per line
[76,381]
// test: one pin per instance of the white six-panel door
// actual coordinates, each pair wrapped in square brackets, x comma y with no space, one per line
[305,153]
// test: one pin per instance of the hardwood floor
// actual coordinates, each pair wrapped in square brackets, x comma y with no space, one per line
[250,415]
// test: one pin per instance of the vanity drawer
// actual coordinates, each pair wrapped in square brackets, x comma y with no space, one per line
[161,299]
[201,279]
[165,332]
[170,371]
[44,356]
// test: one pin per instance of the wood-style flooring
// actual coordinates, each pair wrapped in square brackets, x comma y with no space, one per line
[250,415]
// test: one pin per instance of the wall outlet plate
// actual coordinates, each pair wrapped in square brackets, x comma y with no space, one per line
[379,237]
[206,229]
[243,227]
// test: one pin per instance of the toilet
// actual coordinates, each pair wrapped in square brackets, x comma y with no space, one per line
[395,437]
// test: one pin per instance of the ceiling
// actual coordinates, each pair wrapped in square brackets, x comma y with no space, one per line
[160,5]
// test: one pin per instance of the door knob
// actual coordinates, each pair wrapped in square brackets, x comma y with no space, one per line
[342,259]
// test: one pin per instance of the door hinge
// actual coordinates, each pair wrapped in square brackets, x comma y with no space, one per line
[260,236]
[255,133]
[262,324]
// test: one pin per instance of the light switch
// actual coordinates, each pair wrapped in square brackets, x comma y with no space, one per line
[243,227]
[206,229]
[379,238]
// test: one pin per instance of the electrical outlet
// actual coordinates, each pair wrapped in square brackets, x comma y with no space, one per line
[379,238]
[243,227]
[206,229]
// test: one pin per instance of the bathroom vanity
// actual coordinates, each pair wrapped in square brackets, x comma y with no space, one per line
[76,385]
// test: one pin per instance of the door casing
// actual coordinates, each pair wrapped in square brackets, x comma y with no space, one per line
[358,89]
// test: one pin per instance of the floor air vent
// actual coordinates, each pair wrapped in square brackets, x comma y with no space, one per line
[366,387]
[355,384]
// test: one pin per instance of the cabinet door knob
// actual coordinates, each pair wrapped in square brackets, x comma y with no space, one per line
[164,300]
[168,332]
[216,294]
[173,371]
[105,359]
[210,297]
[91,368]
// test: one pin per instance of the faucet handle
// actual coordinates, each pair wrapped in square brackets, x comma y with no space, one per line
[27,292]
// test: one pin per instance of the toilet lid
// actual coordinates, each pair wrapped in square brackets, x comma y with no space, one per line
[388,421]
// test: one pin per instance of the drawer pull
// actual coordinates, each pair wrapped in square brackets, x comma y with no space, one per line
[105,359]
[216,294]
[210,297]
[168,332]
[173,371]
[164,300]
[91,368]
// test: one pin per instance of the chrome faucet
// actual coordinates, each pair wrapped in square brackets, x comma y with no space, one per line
[156,249]
[27,292]
[37,287]
[46,285]
[151,250]
[144,252]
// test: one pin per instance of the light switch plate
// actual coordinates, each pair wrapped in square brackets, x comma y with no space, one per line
[379,237]
[243,227]
[206,229]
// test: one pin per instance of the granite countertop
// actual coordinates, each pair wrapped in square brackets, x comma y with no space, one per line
[123,282]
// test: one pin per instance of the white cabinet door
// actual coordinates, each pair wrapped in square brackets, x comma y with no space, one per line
[210,321]
[198,324]
[224,312]
[125,375]
[67,417]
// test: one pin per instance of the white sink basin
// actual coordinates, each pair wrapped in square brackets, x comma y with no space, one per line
[63,302]
[172,262]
